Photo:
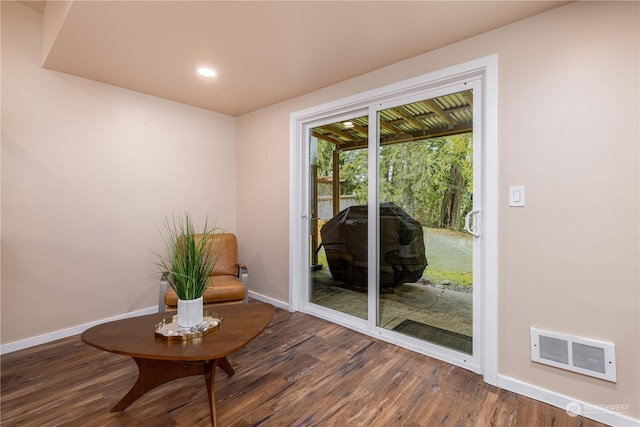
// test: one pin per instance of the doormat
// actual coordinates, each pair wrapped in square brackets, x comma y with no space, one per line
[435,335]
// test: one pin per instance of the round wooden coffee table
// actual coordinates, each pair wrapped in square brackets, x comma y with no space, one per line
[160,361]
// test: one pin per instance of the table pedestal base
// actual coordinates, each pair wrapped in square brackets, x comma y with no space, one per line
[152,373]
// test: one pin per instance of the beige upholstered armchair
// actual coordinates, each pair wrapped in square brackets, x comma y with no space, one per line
[228,282]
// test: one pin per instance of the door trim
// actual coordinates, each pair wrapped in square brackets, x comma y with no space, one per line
[300,122]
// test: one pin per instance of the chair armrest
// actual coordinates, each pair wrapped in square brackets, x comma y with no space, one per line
[164,287]
[243,274]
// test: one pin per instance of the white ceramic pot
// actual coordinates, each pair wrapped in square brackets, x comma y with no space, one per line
[189,312]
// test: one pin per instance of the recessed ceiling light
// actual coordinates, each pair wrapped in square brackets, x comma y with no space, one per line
[347,125]
[206,72]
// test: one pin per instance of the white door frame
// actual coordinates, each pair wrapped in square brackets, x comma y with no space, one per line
[486,359]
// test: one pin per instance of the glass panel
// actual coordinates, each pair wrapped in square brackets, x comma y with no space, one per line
[338,226]
[425,191]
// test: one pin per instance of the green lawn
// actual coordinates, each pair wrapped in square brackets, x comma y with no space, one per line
[449,254]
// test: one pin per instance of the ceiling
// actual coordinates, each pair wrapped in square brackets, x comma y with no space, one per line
[264,52]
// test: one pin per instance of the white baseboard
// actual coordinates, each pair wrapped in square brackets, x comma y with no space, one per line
[64,333]
[277,303]
[611,413]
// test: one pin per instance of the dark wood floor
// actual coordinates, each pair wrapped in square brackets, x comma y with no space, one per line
[302,371]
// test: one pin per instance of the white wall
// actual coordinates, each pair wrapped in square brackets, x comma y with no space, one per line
[88,170]
[569,109]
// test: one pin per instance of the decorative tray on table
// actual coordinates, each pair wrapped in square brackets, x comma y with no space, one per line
[169,330]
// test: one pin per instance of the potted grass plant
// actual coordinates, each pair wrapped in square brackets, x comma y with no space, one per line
[189,260]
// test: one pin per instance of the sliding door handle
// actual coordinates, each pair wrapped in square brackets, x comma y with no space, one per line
[472,228]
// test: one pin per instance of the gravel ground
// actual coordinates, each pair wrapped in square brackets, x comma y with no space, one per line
[445,285]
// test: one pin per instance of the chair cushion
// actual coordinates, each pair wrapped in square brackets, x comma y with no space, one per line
[225,288]
[227,262]
[228,258]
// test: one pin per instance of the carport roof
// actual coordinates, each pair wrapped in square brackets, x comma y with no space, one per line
[444,115]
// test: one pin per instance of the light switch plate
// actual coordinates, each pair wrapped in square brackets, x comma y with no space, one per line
[516,195]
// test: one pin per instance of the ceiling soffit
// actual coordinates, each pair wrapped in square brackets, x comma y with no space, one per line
[265,52]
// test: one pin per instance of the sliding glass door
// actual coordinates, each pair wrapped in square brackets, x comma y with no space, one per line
[338,234]
[392,219]
[425,190]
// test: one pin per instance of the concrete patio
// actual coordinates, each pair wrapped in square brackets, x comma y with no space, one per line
[443,308]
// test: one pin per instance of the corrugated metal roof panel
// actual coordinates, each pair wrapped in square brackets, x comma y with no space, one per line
[451,114]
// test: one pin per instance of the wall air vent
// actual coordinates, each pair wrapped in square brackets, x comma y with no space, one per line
[582,355]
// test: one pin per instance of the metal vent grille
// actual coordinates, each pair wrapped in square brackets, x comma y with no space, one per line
[588,357]
[554,349]
[582,355]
